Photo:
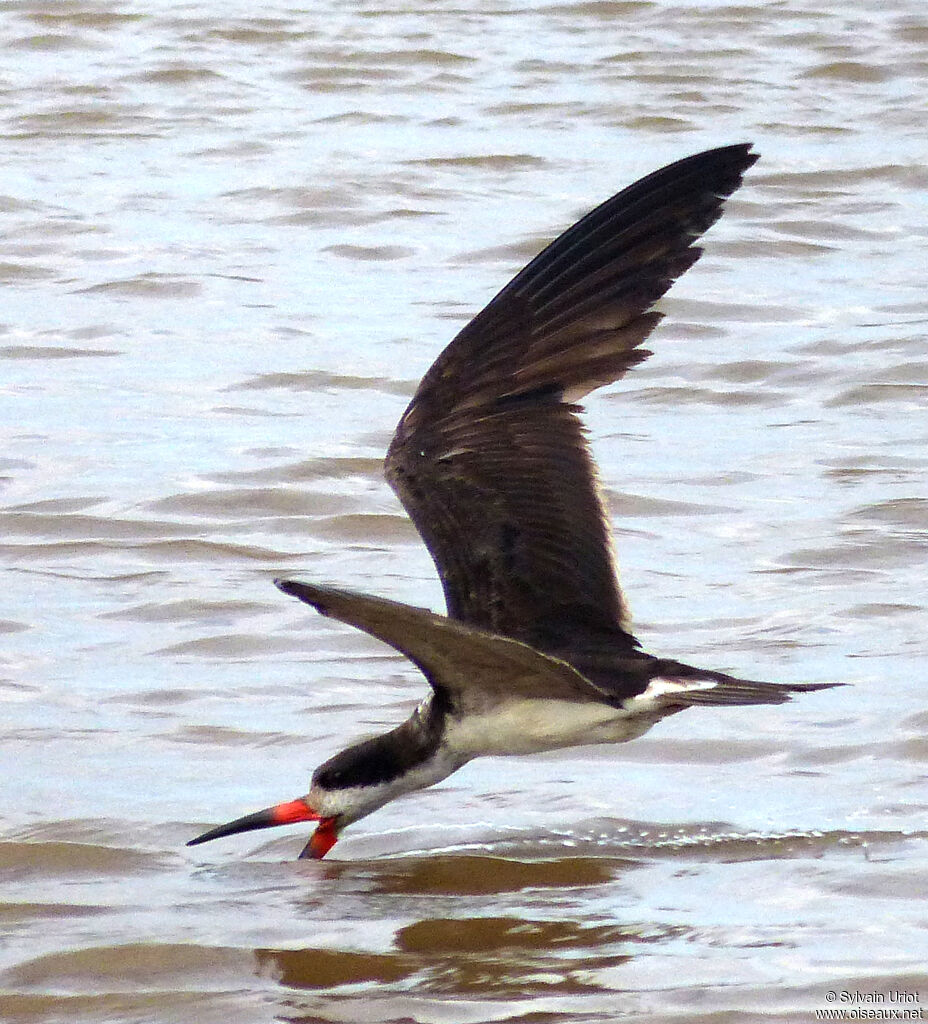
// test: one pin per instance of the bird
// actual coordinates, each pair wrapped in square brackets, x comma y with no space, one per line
[491,462]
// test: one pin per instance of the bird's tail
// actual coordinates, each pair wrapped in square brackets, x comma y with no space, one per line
[694,687]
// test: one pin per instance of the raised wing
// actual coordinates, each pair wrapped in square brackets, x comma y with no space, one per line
[490,459]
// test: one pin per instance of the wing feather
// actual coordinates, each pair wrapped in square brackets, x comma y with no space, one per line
[467,665]
[490,459]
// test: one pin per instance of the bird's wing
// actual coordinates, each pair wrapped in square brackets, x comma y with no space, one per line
[468,665]
[490,459]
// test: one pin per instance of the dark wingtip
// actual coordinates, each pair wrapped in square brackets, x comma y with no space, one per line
[750,155]
[745,150]
[303,592]
[731,162]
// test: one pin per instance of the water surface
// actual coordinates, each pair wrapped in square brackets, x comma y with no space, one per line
[233,241]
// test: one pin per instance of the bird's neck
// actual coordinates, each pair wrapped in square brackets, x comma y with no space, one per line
[373,772]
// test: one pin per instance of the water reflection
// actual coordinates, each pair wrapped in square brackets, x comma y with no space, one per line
[233,242]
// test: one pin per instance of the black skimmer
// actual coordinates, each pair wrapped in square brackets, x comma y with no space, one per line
[491,463]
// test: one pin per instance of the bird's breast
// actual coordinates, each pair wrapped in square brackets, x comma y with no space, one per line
[528,726]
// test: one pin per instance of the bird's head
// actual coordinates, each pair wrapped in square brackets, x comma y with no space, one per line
[334,800]
[349,786]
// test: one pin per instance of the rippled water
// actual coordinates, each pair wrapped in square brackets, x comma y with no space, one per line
[234,238]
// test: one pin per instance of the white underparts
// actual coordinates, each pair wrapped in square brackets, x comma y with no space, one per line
[528,726]
[516,726]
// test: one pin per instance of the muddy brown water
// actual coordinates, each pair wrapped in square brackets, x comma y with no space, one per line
[234,239]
